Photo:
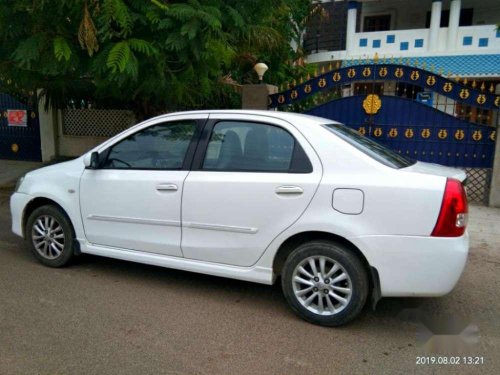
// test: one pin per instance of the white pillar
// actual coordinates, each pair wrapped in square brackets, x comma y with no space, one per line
[495,176]
[455,6]
[48,130]
[435,24]
[352,14]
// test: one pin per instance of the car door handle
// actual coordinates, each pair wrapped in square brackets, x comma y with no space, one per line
[289,190]
[166,187]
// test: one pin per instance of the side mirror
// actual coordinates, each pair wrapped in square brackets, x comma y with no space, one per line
[91,161]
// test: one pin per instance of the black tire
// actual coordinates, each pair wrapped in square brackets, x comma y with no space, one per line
[356,281]
[67,252]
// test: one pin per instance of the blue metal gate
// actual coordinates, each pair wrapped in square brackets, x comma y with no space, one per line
[416,112]
[19,129]
[416,130]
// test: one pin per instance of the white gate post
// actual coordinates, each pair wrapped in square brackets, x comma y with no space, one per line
[495,175]
[48,130]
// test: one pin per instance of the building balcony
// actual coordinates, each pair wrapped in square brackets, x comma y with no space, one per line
[480,39]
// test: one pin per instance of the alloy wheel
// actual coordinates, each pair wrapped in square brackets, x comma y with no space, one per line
[322,285]
[48,237]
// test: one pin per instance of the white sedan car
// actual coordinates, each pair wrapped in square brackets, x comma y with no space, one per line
[256,195]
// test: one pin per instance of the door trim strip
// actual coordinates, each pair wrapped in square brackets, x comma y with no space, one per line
[134,220]
[225,228]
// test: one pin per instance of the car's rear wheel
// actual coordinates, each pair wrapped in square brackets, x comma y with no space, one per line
[51,236]
[325,283]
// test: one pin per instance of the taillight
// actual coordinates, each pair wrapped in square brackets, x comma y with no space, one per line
[453,216]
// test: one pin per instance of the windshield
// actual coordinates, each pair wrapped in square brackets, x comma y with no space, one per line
[371,148]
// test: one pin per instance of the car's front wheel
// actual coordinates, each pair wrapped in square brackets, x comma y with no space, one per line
[325,283]
[50,234]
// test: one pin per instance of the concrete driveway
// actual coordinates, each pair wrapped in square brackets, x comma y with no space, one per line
[108,316]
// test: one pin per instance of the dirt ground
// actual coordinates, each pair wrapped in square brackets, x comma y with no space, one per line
[108,316]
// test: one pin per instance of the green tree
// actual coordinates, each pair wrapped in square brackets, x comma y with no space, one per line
[150,56]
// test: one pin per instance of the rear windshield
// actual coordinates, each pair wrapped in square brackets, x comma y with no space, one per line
[371,148]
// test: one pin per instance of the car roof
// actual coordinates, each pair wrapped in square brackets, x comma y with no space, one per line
[287,116]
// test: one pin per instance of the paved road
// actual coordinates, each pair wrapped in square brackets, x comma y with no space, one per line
[11,170]
[107,316]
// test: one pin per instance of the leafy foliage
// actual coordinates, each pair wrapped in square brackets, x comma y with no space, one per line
[151,56]
[61,48]
[119,57]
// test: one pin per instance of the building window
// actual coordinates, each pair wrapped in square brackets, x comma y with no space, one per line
[403,46]
[377,23]
[363,42]
[465,18]
[467,41]
[483,42]
[391,39]
[376,43]
[324,35]
[419,43]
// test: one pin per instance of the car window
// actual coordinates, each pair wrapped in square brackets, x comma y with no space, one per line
[247,146]
[371,148]
[161,146]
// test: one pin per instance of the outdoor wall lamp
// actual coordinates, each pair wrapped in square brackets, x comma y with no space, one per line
[261,69]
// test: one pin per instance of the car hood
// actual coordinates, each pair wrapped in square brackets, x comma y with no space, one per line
[437,170]
[65,166]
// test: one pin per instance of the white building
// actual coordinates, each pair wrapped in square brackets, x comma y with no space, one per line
[455,38]
[441,31]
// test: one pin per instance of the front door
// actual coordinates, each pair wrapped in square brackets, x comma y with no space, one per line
[250,181]
[133,201]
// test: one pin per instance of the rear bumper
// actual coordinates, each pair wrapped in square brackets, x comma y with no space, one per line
[18,202]
[415,266]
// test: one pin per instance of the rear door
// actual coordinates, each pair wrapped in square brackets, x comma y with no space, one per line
[252,178]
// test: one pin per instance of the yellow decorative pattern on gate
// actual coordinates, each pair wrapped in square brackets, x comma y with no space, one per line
[477,135]
[459,135]
[393,133]
[426,133]
[431,80]
[464,94]
[409,133]
[372,104]
[481,99]
[442,134]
